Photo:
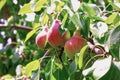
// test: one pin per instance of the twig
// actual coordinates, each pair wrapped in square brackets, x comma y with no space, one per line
[47,53]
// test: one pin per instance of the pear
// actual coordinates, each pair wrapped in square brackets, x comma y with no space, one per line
[74,45]
[41,38]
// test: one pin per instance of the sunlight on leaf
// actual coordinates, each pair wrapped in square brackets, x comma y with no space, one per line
[2,3]
[40,4]
[64,19]
[82,52]
[32,66]
[99,68]
[45,19]
[25,9]
[111,18]
[29,35]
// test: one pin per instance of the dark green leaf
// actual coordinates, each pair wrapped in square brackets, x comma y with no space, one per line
[49,70]
[72,68]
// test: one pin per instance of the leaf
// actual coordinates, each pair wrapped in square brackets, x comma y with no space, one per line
[61,30]
[86,25]
[49,70]
[25,9]
[36,25]
[102,67]
[111,18]
[75,19]
[88,9]
[45,19]
[116,6]
[59,6]
[32,66]
[72,68]
[99,68]
[2,3]
[115,42]
[81,56]
[39,5]
[29,35]
[64,19]
[75,4]
[113,73]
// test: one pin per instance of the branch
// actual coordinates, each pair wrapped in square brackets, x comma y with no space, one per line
[46,55]
[16,26]
[97,49]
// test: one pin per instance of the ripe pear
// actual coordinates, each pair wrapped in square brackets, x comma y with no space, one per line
[54,37]
[41,38]
[74,45]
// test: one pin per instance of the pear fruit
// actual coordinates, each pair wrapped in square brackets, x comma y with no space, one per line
[55,39]
[41,38]
[74,45]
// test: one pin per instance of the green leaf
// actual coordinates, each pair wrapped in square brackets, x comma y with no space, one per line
[99,68]
[32,66]
[64,19]
[61,30]
[30,34]
[2,3]
[39,5]
[114,42]
[81,56]
[88,9]
[49,70]
[59,6]
[102,67]
[115,6]
[111,18]
[113,73]
[72,68]
[86,25]
[25,9]
[36,25]
[75,19]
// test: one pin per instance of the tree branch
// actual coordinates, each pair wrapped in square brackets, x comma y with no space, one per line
[16,26]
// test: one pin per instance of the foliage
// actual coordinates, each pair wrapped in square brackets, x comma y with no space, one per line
[98,22]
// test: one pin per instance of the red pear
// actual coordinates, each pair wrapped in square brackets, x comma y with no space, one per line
[74,45]
[41,38]
[54,37]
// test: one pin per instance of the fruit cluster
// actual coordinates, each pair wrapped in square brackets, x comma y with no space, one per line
[55,39]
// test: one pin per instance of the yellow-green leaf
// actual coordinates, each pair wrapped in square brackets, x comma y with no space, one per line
[36,25]
[81,56]
[111,18]
[64,19]
[45,19]
[2,3]
[40,4]
[25,9]
[29,35]
[32,66]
